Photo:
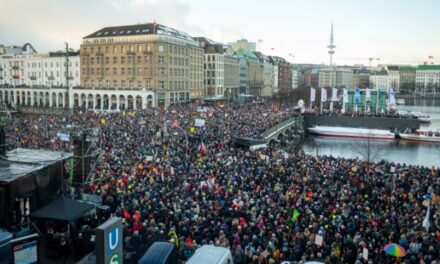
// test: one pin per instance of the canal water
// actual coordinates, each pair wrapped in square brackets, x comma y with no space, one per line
[415,153]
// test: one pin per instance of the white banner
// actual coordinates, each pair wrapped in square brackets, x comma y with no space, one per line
[345,99]
[367,94]
[391,96]
[63,137]
[200,122]
[334,94]
[312,95]
[323,95]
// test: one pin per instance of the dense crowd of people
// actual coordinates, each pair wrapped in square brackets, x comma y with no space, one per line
[266,206]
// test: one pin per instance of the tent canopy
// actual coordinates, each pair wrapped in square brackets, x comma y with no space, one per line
[64,209]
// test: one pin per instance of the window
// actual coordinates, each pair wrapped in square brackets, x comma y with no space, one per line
[160,59]
[122,71]
[146,71]
[129,71]
[147,59]
[115,60]
[160,48]
[161,84]
[122,60]
[139,59]
[115,71]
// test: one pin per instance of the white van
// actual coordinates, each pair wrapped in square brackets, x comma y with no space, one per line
[211,255]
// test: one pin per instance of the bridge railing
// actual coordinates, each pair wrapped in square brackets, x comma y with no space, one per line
[268,134]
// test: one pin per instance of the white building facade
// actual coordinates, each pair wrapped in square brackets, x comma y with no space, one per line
[297,78]
[379,81]
[275,78]
[335,77]
[42,70]
[393,78]
[213,80]
[428,80]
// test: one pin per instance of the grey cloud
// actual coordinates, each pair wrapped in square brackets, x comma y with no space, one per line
[48,23]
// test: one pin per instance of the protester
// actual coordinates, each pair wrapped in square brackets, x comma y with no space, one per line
[266,207]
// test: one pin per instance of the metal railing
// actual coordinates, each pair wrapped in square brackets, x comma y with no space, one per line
[279,127]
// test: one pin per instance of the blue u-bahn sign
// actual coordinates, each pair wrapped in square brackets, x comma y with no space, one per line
[109,242]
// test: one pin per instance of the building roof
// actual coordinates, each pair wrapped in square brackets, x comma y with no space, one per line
[407,68]
[21,162]
[63,53]
[211,46]
[428,68]
[393,67]
[247,55]
[139,29]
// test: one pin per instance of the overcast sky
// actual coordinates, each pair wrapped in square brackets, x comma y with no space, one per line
[396,31]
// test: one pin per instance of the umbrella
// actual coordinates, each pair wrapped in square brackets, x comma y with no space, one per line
[394,250]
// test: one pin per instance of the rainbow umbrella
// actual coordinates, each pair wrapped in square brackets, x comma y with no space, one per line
[394,250]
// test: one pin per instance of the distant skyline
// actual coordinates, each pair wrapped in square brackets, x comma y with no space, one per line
[399,32]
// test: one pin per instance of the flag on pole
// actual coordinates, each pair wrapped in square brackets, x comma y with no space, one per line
[357,96]
[295,215]
[345,99]
[368,94]
[426,223]
[334,94]
[392,99]
[202,147]
[323,94]
[126,214]
[70,170]
[312,95]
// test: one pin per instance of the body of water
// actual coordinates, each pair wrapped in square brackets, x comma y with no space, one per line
[415,153]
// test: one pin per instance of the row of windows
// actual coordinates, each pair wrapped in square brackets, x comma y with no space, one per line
[176,72]
[176,85]
[34,74]
[37,65]
[212,82]
[178,50]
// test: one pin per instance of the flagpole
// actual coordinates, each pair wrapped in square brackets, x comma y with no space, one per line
[331,102]
[377,99]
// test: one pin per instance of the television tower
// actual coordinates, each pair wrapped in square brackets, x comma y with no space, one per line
[331,46]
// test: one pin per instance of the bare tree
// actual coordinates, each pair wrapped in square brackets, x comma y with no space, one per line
[369,151]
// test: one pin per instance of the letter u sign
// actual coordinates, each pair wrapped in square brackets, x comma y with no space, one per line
[113,239]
